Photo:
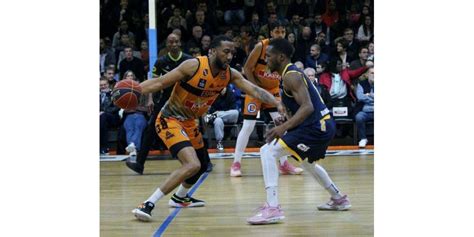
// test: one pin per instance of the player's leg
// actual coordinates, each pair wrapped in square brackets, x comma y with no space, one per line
[338,202]
[181,197]
[251,107]
[285,167]
[180,146]
[271,211]
[148,137]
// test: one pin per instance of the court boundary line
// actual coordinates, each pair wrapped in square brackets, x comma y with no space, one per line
[171,216]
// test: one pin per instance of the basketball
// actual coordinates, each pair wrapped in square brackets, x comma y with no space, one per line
[126,94]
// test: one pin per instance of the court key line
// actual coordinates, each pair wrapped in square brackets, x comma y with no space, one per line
[170,218]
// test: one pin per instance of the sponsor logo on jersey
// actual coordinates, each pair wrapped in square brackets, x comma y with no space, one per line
[202,83]
[198,104]
[269,75]
[252,107]
[184,133]
[169,135]
[204,72]
[303,147]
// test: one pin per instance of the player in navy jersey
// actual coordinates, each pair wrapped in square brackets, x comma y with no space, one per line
[305,134]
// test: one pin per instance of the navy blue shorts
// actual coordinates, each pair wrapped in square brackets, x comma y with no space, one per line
[307,142]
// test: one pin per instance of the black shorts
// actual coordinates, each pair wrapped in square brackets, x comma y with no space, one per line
[308,143]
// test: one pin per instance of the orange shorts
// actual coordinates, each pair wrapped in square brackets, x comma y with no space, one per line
[253,105]
[178,134]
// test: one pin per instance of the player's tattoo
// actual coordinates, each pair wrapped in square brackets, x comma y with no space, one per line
[264,96]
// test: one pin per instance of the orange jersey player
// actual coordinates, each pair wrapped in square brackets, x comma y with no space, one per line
[257,72]
[197,83]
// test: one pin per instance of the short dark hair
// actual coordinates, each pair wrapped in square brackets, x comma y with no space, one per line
[282,46]
[276,24]
[216,42]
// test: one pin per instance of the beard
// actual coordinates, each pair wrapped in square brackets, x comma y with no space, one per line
[220,64]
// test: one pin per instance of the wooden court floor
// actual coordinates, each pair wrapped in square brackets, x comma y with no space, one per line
[229,201]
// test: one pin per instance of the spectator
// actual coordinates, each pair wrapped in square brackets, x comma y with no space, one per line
[135,53]
[303,44]
[337,81]
[315,57]
[370,55]
[174,23]
[178,18]
[265,29]
[145,55]
[271,8]
[111,76]
[365,32]
[109,117]
[331,15]
[255,24]
[299,65]
[234,14]
[134,121]
[124,42]
[224,110]
[295,26]
[318,25]
[298,7]
[365,95]
[107,56]
[246,38]
[195,40]
[205,43]
[360,62]
[322,41]
[195,52]
[366,11]
[352,44]
[292,39]
[133,64]
[239,54]
[200,20]
[342,54]
[311,74]
[123,30]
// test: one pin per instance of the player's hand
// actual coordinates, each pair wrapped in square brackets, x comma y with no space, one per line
[279,120]
[275,132]
[281,109]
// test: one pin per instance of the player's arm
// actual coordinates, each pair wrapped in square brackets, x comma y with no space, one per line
[183,71]
[251,62]
[294,83]
[256,92]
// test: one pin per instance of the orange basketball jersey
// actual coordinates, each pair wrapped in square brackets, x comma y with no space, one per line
[192,98]
[266,79]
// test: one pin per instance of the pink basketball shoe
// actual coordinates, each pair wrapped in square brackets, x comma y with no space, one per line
[288,168]
[235,170]
[266,215]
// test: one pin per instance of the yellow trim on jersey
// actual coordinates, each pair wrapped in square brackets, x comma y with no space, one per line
[322,121]
[283,144]
[176,59]
[286,68]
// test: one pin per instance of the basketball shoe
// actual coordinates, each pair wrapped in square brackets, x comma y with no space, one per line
[341,204]
[138,168]
[235,170]
[288,168]
[143,212]
[132,150]
[187,201]
[266,215]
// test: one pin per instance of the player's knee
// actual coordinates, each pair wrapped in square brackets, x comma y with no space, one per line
[192,168]
[265,149]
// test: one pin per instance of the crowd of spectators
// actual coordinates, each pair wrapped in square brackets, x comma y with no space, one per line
[332,37]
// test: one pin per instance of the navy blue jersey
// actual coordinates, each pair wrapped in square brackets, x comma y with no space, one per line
[321,112]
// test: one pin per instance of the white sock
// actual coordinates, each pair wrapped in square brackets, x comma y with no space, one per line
[157,195]
[268,154]
[323,178]
[182,191]
[243,138]
[272,196]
